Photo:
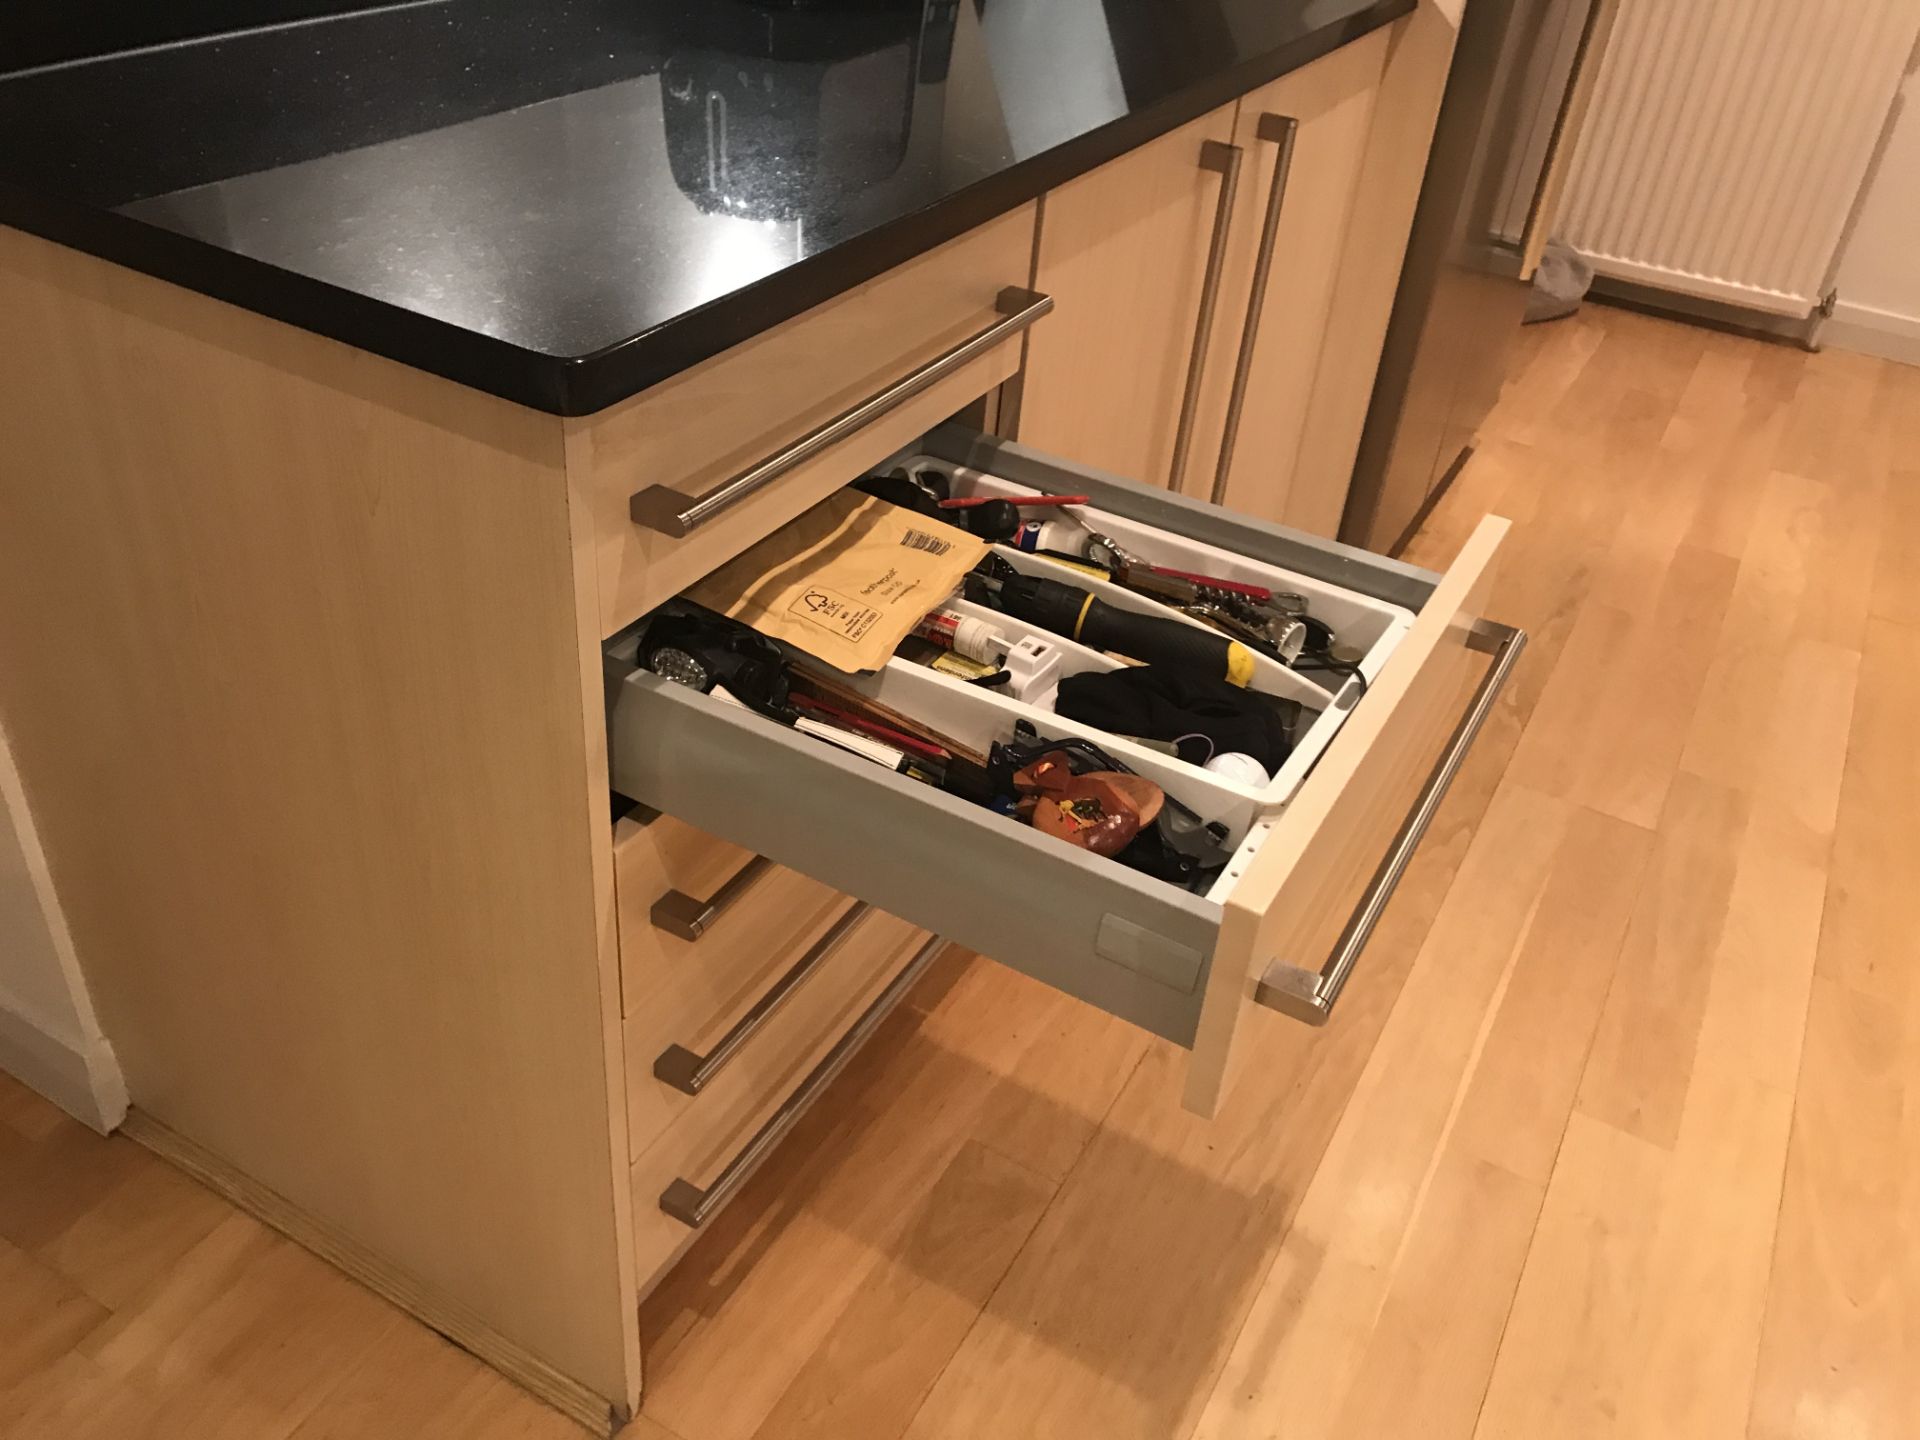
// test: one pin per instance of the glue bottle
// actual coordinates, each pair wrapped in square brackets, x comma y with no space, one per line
[964,635]
[1062,534]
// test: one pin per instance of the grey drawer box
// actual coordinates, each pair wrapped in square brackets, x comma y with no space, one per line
[1313,860]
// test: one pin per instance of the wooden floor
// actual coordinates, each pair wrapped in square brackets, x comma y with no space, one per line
[1617,1132]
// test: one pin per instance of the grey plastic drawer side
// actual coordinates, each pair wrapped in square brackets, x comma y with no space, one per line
[1097,930]
[1344,565]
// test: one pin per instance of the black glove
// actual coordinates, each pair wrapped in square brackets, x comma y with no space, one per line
[1155,702]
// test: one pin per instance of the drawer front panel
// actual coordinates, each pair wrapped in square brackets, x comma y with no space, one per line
[713,1126]
[1181,965]
[1260,373]
[669,865]
[1287,912]
[687,993]
[694,432]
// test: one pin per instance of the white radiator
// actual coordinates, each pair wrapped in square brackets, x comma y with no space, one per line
[1728,139]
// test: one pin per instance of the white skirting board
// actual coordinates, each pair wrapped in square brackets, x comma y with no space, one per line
[50,1038]
[1868,331]
[79,1075]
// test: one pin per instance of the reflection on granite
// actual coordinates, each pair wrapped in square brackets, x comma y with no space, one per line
[573,223]
[554,187]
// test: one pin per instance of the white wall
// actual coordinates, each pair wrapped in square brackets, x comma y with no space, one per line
[1878,279]
[49,1037]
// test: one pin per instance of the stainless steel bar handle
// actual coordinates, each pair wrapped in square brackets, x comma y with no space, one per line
[1310,995]
[689,917]
[1225,159]
[1282,130]
[662,508]
[690,1073]
[694,1206]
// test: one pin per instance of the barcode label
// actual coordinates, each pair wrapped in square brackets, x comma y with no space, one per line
[920,540]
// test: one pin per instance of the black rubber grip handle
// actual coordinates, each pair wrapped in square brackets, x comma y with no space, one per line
[1154,640]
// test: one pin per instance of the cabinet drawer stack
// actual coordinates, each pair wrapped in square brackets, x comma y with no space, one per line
[739,978]
[695,1009]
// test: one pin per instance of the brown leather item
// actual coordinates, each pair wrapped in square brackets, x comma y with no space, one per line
[1101,811]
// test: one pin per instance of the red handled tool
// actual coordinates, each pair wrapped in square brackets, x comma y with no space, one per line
[899,739]
[1258,593]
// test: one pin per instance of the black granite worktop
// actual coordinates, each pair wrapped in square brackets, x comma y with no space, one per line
[566,201]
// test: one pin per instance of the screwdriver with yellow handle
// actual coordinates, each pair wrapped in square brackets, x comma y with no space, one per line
[1151,639]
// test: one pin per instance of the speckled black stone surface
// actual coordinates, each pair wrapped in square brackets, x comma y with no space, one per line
[565,201]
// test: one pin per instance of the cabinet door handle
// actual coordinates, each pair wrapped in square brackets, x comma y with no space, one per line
[1218,156]
[1281,130]
[689,917]
[690,1073]
[1309,995]
[693,1205]
[662,508]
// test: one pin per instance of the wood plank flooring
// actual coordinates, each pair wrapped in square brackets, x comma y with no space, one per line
[1617,1133]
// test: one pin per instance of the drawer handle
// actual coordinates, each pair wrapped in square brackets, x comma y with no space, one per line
[1282,131]
[1218,156]
[688,917]
[1309,995]
[662,508]
[690,1073]
[691,1205]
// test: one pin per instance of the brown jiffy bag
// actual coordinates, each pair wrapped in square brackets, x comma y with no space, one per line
[845,581]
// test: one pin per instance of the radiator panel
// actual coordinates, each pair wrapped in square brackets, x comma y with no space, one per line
[1728,139]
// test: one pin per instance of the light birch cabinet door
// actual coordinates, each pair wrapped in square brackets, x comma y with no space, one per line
[1126,252]
[1305,139]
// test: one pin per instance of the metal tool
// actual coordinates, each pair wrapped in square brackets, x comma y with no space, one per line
[1274,625]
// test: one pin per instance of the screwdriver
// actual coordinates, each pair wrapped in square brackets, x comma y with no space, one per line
[1153,640]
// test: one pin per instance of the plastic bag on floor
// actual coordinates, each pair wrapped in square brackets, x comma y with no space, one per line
[1559,285]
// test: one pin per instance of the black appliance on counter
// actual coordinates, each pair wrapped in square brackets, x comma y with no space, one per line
[771,113]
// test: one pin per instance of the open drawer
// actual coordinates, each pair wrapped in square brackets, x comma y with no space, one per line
[1315,853]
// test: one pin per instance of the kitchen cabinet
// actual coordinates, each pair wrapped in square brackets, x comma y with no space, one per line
[1125,252]
[379,960]
[1419,62]
[337,622]
[1305,136]
[1294,285]
[542,1050]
